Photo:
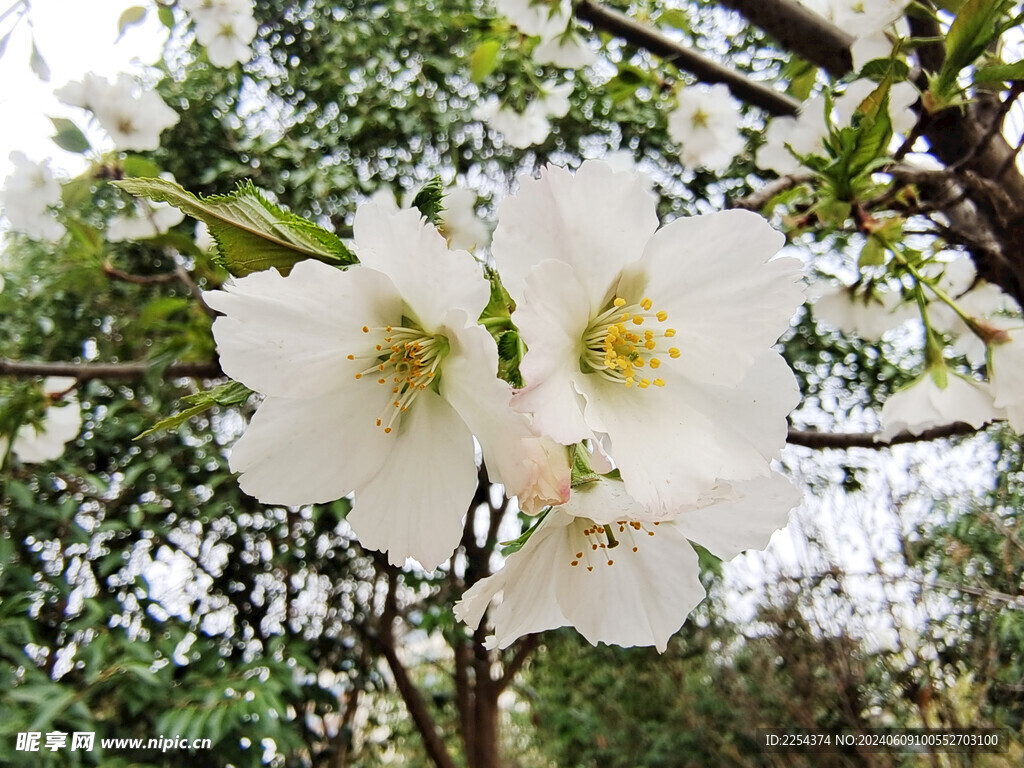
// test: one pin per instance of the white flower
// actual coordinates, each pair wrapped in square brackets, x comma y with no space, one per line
[706,123]
[1007,375]
[226,28]
[376,379]
[902,97]
[660,341]
[63,420]
[567,51]
[543,18]
[524,129]
[595,564]
[937,398]
[867,313]
[28,194]
[134,117]
[804,134]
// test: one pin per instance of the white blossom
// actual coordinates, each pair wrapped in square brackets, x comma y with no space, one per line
[532,125]
[937,398]
[61,423]
[1007,375]
[226,29]
[659,341]
[861,311]
[597,564]
[134,117]
[376,379]
[27,197]
[803,134]
[145,220]
[706,123]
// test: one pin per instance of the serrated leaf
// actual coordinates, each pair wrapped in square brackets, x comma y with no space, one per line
[873,131]
[429,201]
[228,395]
[999,73]
[38,64]
[252,234]
[69,136]
[878,70]
[130,17]
[484,59]
[973,29]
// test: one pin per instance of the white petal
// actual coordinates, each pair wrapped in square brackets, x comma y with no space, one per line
[415,505]
[923,405]
[526,583]
[726,297]
[598,221]
[673,443]
[430,278]
[290,336]
[312,450]
[513,453]
[627,597]
[745,519]
[552,318]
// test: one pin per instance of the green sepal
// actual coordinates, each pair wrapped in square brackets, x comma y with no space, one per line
[230,394]
[582,473]
[508,547]
[252,234]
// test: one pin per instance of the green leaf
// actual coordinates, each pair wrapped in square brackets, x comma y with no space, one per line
[974,28]
[252,234]
[38,64]
[136,165]
[228,395]
[430,200]
[166,15]
[484,59]
[873,130]
[675,18]
[878,70]
[69,136]
[872,254]
[998,73]
[130,17]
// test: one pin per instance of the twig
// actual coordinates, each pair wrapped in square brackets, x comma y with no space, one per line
[111,271]
[707,71]
[755,201]
[118,371]
[812,439]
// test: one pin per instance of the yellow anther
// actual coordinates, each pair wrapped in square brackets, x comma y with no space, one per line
[644,383]
[625,316]
[638,320]
[673,352]
[351,357]
[650,344]
[619,302]
[655,362]
[359,375]
[662,316]
[646,304]
[366,329]
[659,382]
[670,332]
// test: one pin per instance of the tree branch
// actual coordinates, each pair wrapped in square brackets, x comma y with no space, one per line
[813,439]
[118,371]
[799,30]
[755,201]
[707,71]
[525,648]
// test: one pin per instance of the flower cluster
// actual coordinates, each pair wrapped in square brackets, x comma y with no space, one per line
[226,28]
[551,21]
[27,197]
[134,117]
[648,353]
[36,443]
[706,124]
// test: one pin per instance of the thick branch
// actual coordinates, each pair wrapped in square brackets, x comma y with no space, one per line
[118,371]
[812,439]
[707,71]
[799,30]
